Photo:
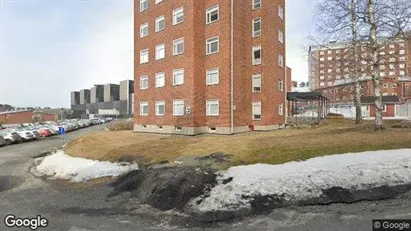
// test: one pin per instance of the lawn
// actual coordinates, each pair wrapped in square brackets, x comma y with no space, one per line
[334,136]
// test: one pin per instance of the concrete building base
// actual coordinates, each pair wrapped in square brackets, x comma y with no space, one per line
[166,129]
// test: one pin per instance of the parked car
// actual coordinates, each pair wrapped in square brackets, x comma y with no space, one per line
[11,137]
[44,132]
[26,135]
[2,141]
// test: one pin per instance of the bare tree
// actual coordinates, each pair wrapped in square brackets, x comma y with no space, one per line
[338,21]
[388,20]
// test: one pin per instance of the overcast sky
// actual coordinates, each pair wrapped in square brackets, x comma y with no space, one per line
[50,47]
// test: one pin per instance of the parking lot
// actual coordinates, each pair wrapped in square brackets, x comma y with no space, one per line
[14,134]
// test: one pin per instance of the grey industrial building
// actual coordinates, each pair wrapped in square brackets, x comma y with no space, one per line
[109,100]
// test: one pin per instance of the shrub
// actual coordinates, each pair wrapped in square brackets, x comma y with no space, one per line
[120,125]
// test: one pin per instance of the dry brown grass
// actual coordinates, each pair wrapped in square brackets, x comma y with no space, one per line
[120,125]
[333,137]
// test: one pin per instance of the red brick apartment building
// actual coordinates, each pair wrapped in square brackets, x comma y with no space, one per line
[209,66]
[25,116]
[329,72]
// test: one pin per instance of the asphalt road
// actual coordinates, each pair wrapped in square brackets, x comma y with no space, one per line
[76,207]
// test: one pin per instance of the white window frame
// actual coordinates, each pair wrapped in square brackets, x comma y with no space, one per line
[254,60]
[281,85]
[157,23]
[143,78]
[175,45]
[256,103]
[281,109]
[211,10]
[256,4]
[158,104]
[281,60]
[280,12]
[158,50]
[142,4]
[143,104]
[158,1]
[253,84]
[176,73]
[176,13]
[175,103]
[210,41]
[159,76]
[143,54]
[209,73]
[280,36]
[211,102]
[257,33]
[142,29]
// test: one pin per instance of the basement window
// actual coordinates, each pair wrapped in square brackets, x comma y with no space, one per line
[160,127]
[178,128]
[212,129]
[143,126]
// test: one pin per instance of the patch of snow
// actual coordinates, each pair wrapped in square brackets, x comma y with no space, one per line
[60,165]
[298,181]
[309,113]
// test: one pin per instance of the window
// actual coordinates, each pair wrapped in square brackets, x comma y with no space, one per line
[143,108]
[178,107]
[280,60]
[402,52]
[160,108]
[392,73]
[143,82]
[256,4]
[143,5]
[280,109]
[321,76]
[394,85]
[384,108]
[256,110]
[321,59]
[212,14]
[382,74]
[144,56]
[385,85]
[280,12]
[160,51]
[160,79]
[382,67]
[281,85]
[402,73]
[212,45]
[402,65]
[178,128]
[256,27]
[392,66]
[330,58]
[321,52]
[143,30]
[280,36]
[178,46]
[160,127]
[178,77]
[178,16]
[160,23]
[257,55]
[212,107]
[322,84]
[212,76]
[401,59]
[256,83]
[158,1]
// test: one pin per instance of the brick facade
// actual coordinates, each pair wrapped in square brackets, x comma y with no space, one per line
[236,57]
[18,117]
[330,70]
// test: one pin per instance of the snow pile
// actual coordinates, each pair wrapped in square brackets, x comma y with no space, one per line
[349,111]
[299,181]
[310,113]
[60,165]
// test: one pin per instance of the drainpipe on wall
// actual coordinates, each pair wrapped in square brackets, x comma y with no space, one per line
[232,68]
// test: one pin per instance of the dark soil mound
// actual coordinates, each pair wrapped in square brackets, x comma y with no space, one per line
[165,188]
